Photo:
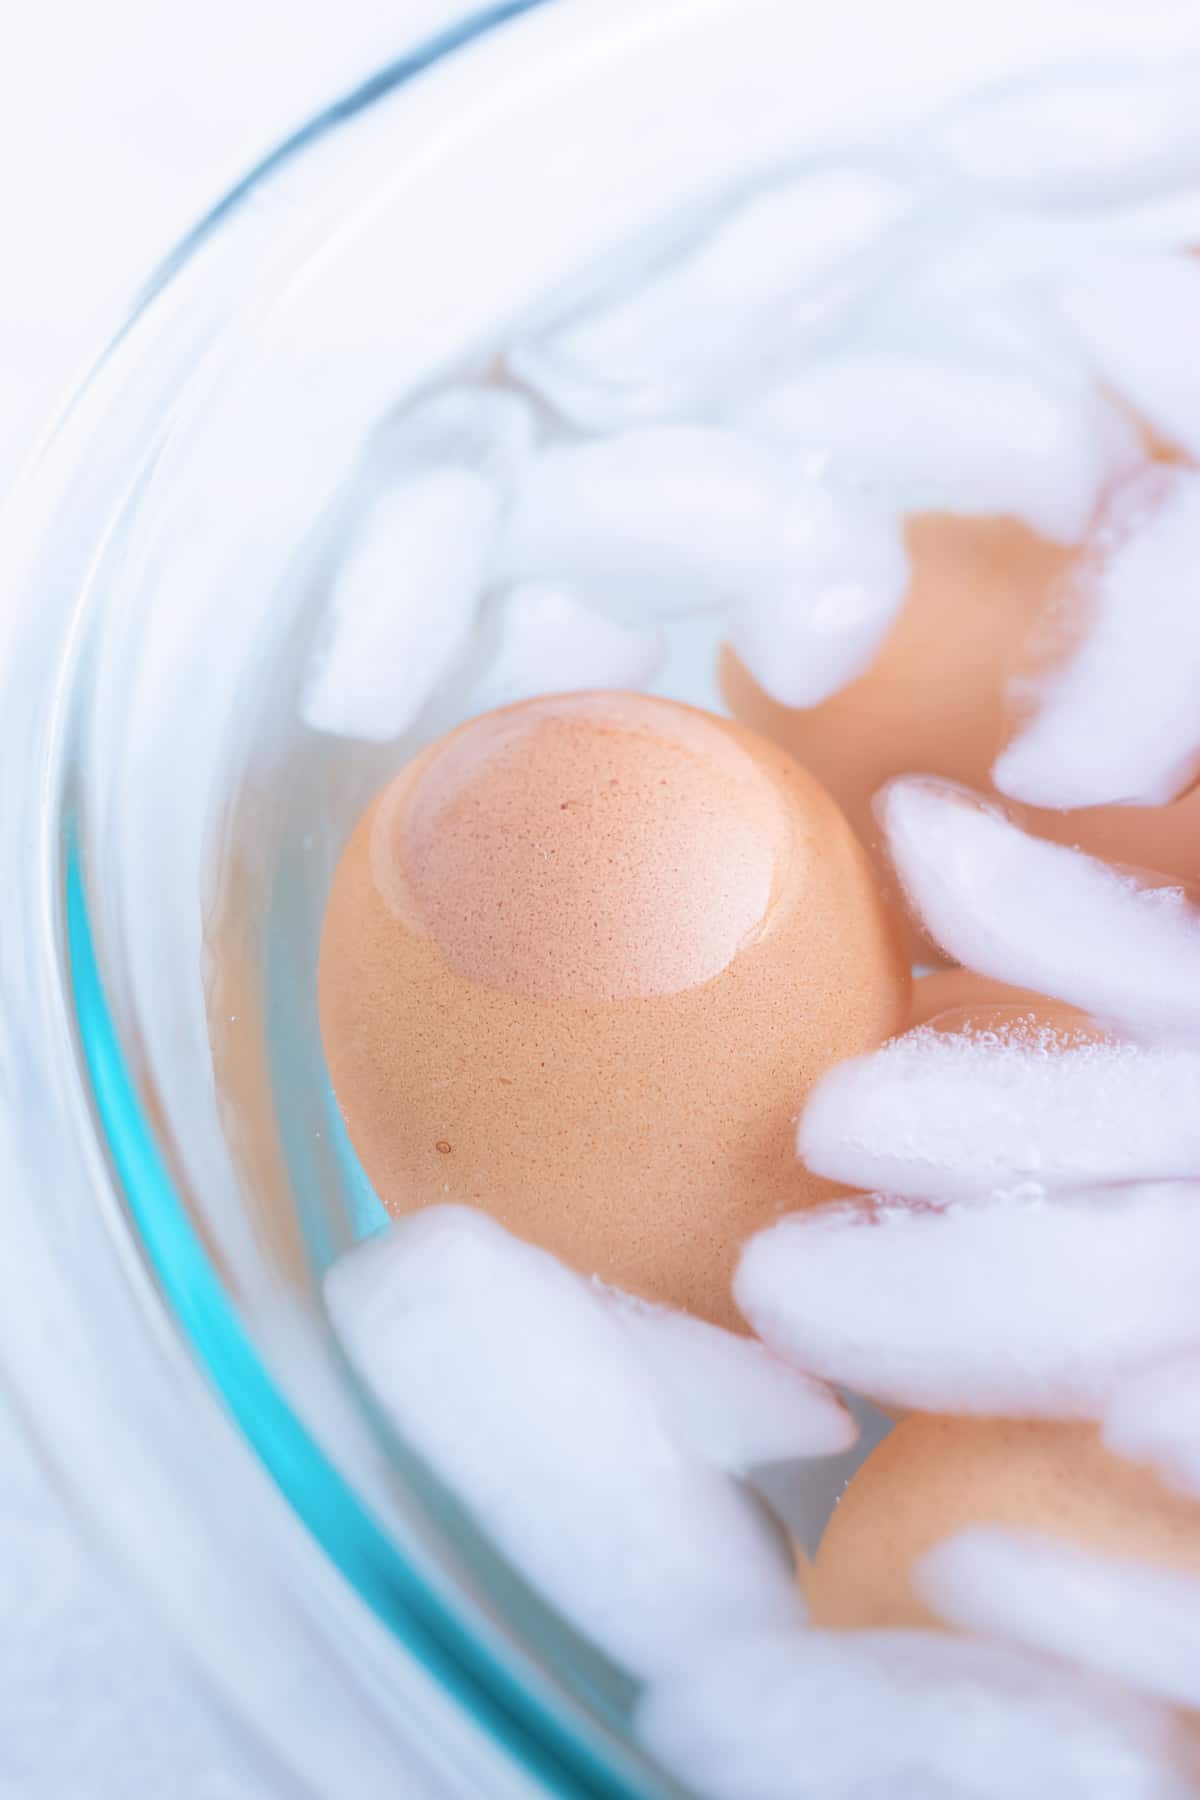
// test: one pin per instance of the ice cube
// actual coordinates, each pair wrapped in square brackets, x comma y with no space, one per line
[667,519]
[1098,135]
[904,1715]
[420,540]
[726,1397]
[487,429]
[550,643]
[937,425]
[775,269]
[1120,722]
[1016,1307]
[513,1378]
[1154,1417]
[1123,1617]
[1040,916]
[1138,318]
[938,1115]
[819,626]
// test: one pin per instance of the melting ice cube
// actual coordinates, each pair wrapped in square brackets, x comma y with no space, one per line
[1039,916]
[777,268]
[727,1397]
[516,1381]
[1138,318]
[1121,721]
[935,426]
[872,1715]
[1123,1617]
[417,558]
[1018,1307]
[943,1115]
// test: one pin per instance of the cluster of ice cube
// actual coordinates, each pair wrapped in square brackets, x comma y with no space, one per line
[744,431]
[747,427]
[593,1441]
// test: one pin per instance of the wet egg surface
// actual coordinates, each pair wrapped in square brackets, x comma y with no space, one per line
[934,1476]
[582,962]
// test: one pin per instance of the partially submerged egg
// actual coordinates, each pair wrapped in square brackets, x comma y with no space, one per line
[961,1000]
[934,1476]
[582,962]
[936,700]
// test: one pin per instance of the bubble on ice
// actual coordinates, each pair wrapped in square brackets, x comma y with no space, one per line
[548,642]
[1044,917]
[1081,137]
[667,518]
[1120,722]
[409,577]
[773,271]
[1154,1417]
[940,1115]
[819,625]
[1124,1617]
[910,1715]
[726,1397]
[1138,319]
[511,1376]
[1015,1307]
[935,425]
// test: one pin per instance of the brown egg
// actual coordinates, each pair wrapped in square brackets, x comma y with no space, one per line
[582,961]
[935,700]
[934,1476]
[959,999]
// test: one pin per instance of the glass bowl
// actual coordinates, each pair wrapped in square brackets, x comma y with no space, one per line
[177,1177]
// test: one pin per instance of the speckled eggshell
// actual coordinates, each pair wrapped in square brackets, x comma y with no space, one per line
[934,1476]
[936,701]
[581,963]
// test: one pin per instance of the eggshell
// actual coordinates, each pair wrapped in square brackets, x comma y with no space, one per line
[934,1476]
[582,962]
[959,1000]
[936,699]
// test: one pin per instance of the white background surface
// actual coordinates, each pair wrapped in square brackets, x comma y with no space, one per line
[120,121]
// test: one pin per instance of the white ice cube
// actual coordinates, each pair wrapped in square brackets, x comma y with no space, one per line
[1086,136]
[1120,721]
[1154,1417]
[517,1383]
[904,1715]
[940,1115]
[550,643]
[1123,1617]
[775,269]
[420,540]
[1041,916]
[935,425]
[1015,1307]
[1138,318]
[820,624]
[676,518]
[726,1397]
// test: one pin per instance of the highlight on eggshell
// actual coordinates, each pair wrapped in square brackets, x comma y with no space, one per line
[935,1476]
[582,961]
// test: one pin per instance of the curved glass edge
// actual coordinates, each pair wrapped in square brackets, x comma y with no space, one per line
[322,1499]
